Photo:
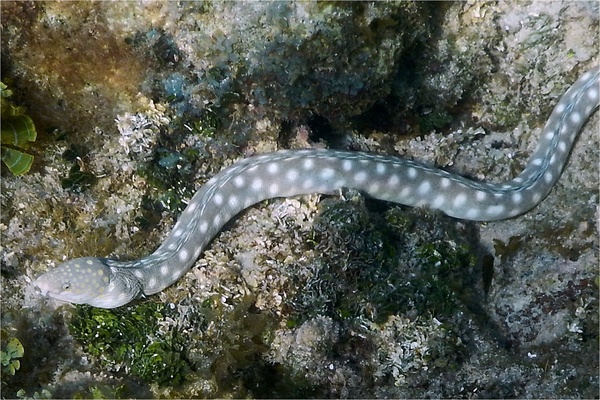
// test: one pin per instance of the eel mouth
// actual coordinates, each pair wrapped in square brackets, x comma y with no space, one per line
[41,288]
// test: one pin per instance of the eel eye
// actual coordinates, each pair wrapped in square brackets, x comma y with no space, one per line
[66,286]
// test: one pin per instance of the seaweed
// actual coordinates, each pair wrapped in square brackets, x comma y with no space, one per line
[12,350]
[131,336]
[17,131]
[79,178]
[359,272]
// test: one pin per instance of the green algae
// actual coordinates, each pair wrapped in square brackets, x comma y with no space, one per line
[43,394]
[170,174]
[18,131]
[207,124]
[210,343]
[358,271]
[435,120]
[79,178]
[171,168]
[11,351]
[130,336]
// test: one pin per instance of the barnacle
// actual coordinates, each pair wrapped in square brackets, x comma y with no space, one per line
[16,134]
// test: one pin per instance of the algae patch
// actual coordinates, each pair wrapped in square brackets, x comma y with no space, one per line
[130,338]
[357,273]
[12,350]
[17,133]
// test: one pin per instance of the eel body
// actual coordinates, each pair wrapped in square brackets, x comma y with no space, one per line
[109,283]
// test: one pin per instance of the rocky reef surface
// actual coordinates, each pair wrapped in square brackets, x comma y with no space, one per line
[137,104]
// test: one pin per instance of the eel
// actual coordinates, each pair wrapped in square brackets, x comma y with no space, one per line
[108,283]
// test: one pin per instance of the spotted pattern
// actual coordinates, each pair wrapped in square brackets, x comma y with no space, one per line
[108,283]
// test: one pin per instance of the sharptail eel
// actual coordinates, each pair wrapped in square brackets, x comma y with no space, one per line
[109,283]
